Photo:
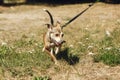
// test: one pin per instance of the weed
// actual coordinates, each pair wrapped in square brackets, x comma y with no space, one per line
[42,78]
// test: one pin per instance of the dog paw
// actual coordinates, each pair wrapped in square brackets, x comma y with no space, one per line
[43,49]
[56,63]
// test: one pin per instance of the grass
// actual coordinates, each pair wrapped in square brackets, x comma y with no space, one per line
[17,56]
[22,55]
[106,50]
[110,57]
[109,49]
[25,55]
[42,78]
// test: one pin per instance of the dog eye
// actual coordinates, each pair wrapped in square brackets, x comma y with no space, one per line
[62,35]
[56,35]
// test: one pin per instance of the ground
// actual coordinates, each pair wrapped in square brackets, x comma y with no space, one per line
[29,21]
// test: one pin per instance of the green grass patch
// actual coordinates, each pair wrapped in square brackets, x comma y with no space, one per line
[10,57]
[109,49]
[108,56]
[23,54]
[42,78]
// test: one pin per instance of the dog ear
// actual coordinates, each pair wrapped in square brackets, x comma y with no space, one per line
[58,24]
[49,26]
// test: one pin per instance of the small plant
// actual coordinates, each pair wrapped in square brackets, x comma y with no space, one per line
[42,78]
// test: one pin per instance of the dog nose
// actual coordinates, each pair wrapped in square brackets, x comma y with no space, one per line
[61,42]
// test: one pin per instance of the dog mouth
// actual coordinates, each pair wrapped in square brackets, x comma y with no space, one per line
[58,43]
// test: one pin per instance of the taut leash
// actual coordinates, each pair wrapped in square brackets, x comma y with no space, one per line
[77,16]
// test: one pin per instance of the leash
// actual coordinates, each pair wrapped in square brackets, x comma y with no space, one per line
[78,15]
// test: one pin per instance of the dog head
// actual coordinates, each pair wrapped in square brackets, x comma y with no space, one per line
[55,34]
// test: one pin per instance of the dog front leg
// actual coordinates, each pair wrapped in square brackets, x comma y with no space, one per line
[50,52]
[50,45]
[57,50]
[43,49]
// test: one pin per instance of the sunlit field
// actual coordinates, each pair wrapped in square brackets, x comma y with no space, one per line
[91,51]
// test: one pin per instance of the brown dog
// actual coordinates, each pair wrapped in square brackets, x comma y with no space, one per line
[53,38]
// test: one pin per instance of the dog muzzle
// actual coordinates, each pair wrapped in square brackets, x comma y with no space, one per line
[58,43]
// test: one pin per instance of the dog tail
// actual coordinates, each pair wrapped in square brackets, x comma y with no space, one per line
[50,15]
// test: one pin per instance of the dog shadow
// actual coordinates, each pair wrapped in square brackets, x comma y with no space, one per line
[69,58]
